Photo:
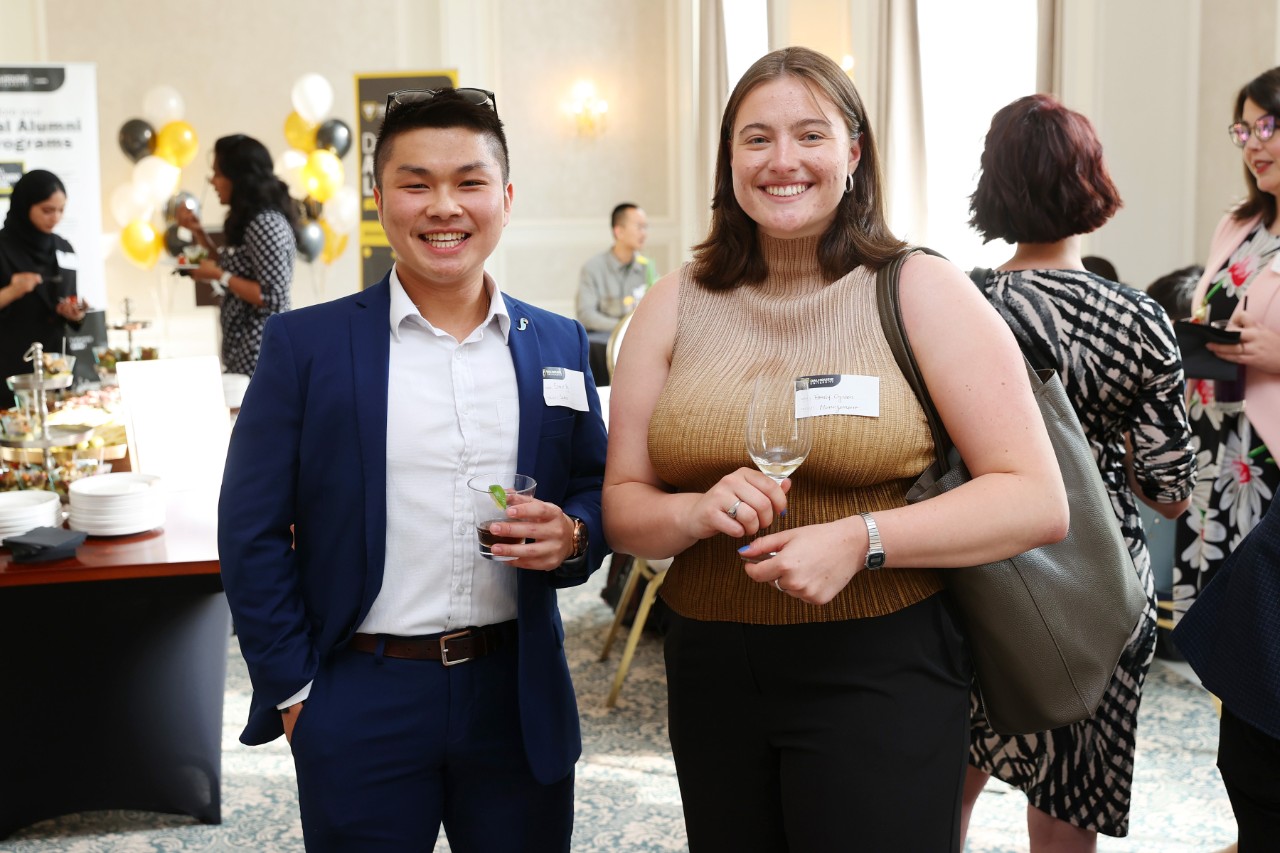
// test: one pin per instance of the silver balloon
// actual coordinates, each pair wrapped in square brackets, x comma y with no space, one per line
[310,240]
[182,198]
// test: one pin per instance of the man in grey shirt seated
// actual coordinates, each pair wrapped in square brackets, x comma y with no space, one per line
[612,281]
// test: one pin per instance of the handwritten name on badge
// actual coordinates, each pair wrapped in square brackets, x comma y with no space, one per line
[838,394]
[562,386]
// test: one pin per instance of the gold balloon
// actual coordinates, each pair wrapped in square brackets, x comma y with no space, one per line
[142,244]
[176,143]
[299,132]
[334,243]
[323,175]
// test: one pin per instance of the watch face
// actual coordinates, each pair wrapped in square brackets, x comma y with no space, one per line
[875,559]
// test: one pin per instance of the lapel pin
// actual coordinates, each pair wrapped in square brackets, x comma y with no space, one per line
[524,324]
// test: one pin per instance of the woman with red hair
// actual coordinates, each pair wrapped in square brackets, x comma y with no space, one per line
[1044,184]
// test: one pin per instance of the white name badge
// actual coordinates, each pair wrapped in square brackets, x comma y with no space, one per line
[838,394]
[562,386]
[68,260]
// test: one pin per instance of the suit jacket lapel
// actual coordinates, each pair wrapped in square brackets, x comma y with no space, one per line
[526,355]
[370,351]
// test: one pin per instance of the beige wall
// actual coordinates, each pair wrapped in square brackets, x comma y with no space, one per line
[1157,77]
[235,61]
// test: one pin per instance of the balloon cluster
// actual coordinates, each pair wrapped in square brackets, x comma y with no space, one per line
[312,169]
[158,158]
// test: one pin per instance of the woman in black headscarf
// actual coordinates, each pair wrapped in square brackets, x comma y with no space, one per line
[37,275]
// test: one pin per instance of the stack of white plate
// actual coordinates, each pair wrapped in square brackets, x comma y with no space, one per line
[24,511]
[116,504]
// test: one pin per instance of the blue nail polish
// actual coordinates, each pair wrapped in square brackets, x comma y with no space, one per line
[782,514]
[744,549]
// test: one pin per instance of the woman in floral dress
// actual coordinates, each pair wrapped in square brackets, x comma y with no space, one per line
[1238,475]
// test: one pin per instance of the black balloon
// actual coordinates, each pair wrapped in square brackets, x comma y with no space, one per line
[182,198]
[173,244]
[310,240]
[334,135]
[137,139]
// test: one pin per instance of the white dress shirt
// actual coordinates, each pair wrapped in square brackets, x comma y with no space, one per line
[453,412]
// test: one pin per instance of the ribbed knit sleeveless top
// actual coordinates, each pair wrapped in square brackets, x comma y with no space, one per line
[795,322]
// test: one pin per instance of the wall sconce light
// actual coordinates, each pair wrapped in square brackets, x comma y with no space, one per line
[587,109]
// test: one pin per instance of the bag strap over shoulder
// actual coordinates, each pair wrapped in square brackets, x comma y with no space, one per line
[895,334]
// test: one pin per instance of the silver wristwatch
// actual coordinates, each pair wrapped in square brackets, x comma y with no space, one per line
[875,552]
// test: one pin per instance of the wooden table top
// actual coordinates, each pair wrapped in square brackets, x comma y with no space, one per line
[187,544]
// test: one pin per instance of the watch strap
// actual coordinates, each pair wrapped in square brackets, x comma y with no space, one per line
[875,550]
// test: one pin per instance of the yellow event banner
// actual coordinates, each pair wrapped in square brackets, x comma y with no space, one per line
[376,256]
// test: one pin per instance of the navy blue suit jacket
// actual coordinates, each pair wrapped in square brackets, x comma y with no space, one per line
[309,451]
[1231,634]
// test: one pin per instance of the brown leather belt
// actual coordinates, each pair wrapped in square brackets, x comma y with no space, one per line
[448,647]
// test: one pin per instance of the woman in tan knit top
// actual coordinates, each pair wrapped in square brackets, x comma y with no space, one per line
[814,705]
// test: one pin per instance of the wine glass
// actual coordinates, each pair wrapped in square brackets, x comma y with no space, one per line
[777,440]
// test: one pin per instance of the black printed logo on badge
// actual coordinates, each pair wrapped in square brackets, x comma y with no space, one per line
[553,373]
[822,380]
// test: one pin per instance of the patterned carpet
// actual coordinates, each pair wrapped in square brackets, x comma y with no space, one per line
[627,797]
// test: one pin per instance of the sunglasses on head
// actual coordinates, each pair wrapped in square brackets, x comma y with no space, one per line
[478,97]
[1262,128]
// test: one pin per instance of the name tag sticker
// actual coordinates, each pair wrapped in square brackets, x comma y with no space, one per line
[838,394]
[68,260]
[562,386]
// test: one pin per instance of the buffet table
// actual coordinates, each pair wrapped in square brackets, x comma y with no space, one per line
[112,674]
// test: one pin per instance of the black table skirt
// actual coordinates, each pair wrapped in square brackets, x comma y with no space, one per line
[111,698]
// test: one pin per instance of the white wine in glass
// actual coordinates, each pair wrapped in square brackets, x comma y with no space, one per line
[777,440]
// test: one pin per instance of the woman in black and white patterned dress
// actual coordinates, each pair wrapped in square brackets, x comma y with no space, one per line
[1043,185]
[255,268]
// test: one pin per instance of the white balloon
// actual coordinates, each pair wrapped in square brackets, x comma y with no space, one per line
[312,97]
[130,202]
[161,105]
[342,212]
[289,167]
[157,178]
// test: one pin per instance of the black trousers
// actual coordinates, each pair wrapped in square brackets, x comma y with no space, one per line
[1250,763]
[835,736]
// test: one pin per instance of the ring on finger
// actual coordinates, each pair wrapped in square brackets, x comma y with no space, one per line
[778,586]
[732,511]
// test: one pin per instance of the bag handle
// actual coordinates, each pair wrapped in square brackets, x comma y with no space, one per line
[895,334]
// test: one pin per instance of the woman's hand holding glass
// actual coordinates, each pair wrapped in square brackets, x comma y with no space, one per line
[742,504]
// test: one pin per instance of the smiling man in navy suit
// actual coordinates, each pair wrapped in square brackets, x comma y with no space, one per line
[417,682]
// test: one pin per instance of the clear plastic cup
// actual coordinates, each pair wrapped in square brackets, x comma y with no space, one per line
[489,507]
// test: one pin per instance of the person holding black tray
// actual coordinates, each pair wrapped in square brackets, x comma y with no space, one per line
[37,275]
[1236,423]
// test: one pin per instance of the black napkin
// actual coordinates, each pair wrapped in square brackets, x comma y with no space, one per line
[44,543]
[1197,361]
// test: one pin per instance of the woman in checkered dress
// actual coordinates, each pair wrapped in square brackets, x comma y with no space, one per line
[254,269]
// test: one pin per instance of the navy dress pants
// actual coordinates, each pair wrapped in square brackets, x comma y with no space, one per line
[386,750]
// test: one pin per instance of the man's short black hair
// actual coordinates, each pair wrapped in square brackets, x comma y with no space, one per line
[445,110]
[620,212]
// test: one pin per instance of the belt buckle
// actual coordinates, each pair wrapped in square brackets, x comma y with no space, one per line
[444,648]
